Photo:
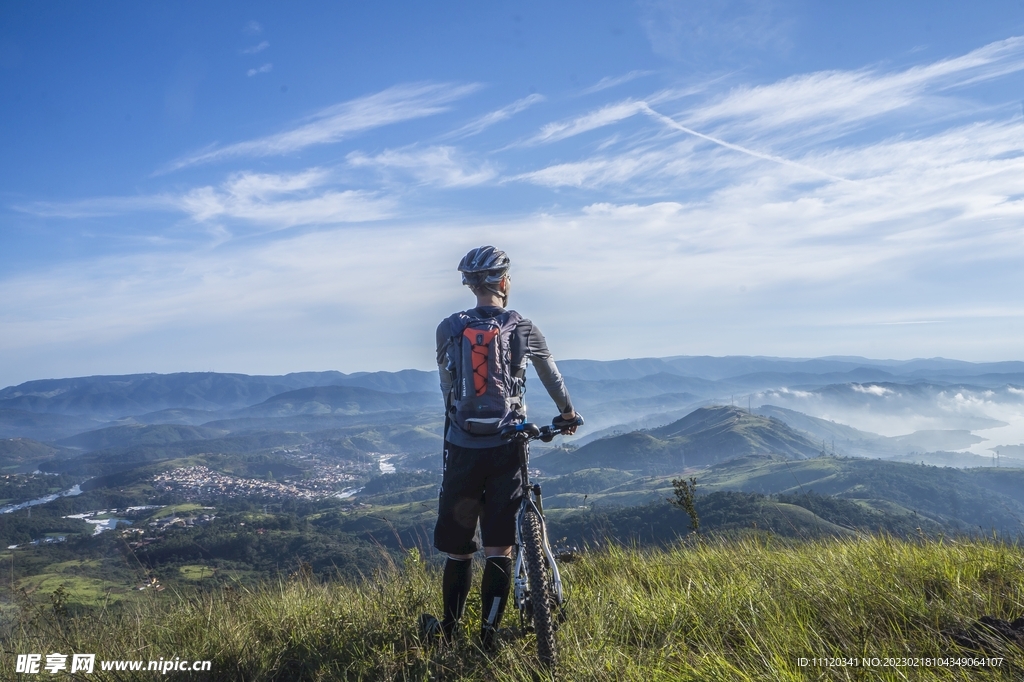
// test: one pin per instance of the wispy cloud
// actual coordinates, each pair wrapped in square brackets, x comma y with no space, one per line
[266,200]
[726,201]
[605,116]
[614,81]
[281,201]
[671,123]
[256,48]
[266,68]
[604,171]
[253,28]
[440,165]
[616,113]
[782,122]
[398,103]
[831,102]
[487,120]
[97,207]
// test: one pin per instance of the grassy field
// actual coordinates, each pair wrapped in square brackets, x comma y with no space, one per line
[173,509]
[715,610]
[196,572]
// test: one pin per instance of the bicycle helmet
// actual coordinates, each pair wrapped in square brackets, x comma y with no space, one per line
[484,267]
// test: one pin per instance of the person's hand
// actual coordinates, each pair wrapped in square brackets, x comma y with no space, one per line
[566,423]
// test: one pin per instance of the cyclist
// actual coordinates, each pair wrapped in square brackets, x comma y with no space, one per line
[481,480]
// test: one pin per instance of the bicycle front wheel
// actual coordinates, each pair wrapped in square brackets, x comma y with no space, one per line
[541,595]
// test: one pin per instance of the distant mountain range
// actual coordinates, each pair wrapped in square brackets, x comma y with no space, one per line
[728,367]
[118,396]
[640,409]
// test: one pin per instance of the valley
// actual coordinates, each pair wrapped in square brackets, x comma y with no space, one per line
[200,480]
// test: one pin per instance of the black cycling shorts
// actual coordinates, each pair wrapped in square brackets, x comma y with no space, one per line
[478,483]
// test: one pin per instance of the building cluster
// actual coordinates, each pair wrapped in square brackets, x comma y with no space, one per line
[140,537]
[329,477]
[176,522]
[49,540]
[198,482]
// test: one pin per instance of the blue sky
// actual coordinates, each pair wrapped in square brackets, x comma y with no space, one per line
[270,187]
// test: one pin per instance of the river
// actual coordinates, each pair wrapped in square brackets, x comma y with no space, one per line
[70,492]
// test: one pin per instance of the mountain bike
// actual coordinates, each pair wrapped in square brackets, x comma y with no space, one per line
[538,592]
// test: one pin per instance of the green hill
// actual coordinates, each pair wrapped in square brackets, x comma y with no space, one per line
[724,610]
[705,436]
[345,400]
[968,500]
[177,415]
[963,500]
[101,462]
[18,453]
[24,424]
[140,434]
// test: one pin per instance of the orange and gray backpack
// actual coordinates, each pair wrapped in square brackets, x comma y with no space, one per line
[485,395]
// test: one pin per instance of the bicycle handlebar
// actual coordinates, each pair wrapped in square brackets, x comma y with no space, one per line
[528,431]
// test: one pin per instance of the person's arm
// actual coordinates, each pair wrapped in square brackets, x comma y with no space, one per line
[445,375]
[536,347]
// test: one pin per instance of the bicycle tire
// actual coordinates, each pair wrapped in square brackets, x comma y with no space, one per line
[541,597]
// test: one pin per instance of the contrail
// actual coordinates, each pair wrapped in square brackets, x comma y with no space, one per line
[735,147]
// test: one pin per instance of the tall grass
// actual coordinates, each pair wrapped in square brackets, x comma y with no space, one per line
[721,610]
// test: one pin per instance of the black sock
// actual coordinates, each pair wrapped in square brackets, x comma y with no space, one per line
[458,574]
[494,589]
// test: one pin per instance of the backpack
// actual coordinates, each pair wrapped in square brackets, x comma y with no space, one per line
[485,395]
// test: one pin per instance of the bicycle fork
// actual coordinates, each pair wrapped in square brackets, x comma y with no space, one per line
[521,586]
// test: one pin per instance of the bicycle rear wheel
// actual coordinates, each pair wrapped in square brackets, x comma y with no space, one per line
[541,596]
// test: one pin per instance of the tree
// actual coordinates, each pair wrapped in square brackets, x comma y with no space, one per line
[685,494]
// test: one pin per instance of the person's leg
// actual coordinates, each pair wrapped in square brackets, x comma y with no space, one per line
[498,530]
[458,509]
[458,576]
[494,589]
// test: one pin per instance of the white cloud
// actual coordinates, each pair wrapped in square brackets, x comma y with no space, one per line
[477,126]
[442,166]
[605,116]
[281,201]
[605,171]
[398,103]
[871,389]
[256,48]
[831,102]
[631,262]
[241,298]
[269,200]
[266,68]
[712,214]
[626,165]
[797,113]
[253,28]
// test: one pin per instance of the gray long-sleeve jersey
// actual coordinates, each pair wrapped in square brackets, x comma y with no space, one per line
[527,343]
